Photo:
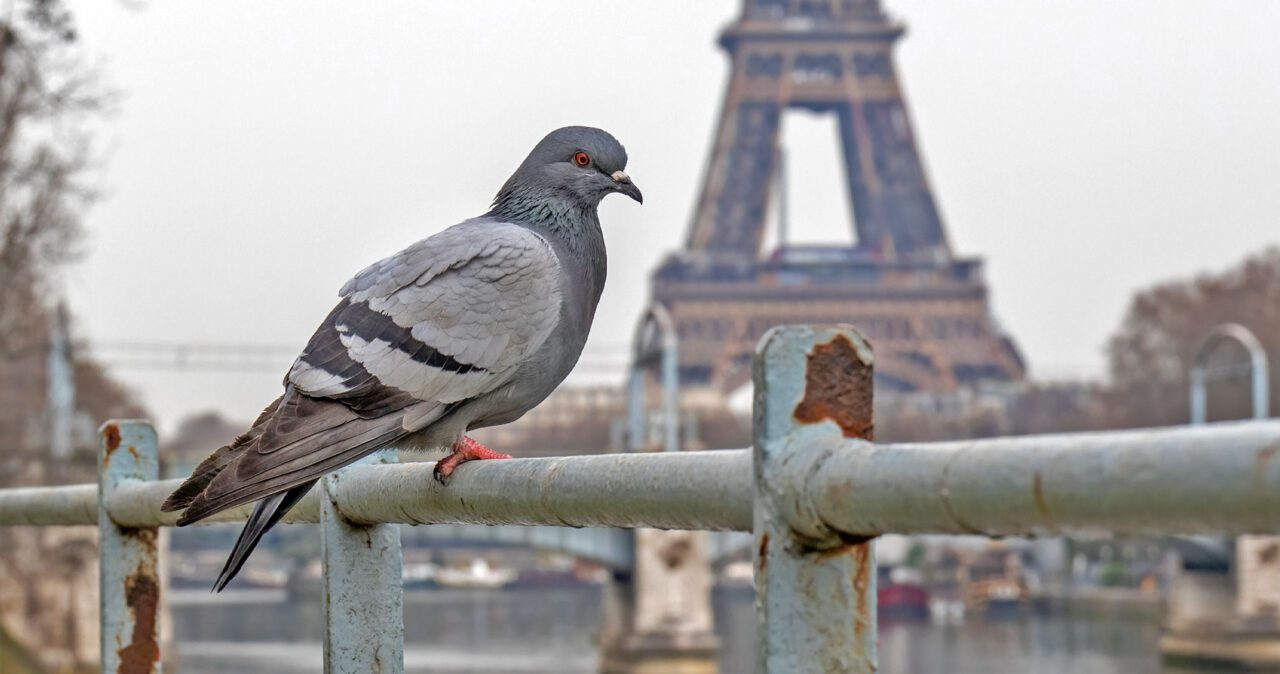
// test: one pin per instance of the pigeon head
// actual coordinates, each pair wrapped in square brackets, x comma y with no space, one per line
[578,164]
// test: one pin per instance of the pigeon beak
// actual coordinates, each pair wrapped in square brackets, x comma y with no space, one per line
[622,183]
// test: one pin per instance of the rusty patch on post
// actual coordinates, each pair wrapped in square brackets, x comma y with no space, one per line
[763,554]
[1037,492]
[111,433]
[837,386]
[142,596]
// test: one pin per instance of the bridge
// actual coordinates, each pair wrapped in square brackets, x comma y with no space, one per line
[813,491]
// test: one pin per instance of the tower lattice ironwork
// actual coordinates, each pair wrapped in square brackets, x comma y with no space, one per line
[925,308]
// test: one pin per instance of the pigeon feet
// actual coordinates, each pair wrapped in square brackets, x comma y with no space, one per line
[466,450]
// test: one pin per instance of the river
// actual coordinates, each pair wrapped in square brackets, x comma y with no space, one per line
[552,631]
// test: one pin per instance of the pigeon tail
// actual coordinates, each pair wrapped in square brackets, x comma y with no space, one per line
[265,515]
[303,438]
[294,442]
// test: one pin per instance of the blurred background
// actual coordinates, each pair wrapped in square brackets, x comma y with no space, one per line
[1037,211]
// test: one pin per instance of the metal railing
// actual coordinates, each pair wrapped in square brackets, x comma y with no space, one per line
[814,491]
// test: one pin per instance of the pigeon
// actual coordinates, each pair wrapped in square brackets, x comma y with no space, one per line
[468,328]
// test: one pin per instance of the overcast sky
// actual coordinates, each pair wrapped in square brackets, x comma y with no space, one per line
[264,152]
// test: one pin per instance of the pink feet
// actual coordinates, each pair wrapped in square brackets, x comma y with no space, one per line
[466,450]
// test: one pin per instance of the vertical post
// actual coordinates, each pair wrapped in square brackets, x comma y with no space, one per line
[363,589]
[815,591]
[670,387]
[60,396]
[129,583]
[1260,375]
[637,426]
[1199,405]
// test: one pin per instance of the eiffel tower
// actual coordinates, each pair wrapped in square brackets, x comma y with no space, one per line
[924,308]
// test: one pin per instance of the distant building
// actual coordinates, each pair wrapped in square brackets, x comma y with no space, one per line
[924,308]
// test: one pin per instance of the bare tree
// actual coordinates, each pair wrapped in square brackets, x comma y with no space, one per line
[49,98]
[49,101]
[1151,353]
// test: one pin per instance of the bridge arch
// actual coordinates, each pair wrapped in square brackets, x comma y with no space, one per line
[1258,370]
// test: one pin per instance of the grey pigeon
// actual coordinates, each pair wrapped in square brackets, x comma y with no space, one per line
[468,328]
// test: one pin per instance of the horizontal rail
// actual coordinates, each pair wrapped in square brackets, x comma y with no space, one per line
[136,503]
[677,490]
[49,506]
[685,490]
[1219,478]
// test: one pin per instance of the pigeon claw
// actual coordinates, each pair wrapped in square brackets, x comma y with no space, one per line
[466,450]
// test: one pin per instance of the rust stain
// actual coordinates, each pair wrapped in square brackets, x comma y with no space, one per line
[861,584]
[133,451]
[112,435]
[861,568]
[837,387]
[1260,461]
[1037,491]
[763,554]
[142,596]
[147,537]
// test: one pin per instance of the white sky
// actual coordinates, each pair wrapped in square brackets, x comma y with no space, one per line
[264,152]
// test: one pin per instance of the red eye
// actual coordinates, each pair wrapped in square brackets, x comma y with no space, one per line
[581,159]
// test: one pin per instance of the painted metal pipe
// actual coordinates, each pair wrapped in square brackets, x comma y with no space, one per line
[1220,478]
[690,490]
[667,490]
[49,506]
[134,503]
[137,503]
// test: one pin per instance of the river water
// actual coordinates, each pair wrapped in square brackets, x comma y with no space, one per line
[552,631]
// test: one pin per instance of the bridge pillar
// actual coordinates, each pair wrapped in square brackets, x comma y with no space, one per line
[659,618]
[1258,579]
[1211,619]
[1228,618]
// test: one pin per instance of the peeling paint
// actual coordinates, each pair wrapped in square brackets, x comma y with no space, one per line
[111,434]
[111,442]
[142,596]
[837,388]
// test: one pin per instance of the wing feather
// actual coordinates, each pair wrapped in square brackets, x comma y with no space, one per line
[447,319]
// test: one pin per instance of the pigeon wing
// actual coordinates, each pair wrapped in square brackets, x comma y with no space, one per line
[447,319]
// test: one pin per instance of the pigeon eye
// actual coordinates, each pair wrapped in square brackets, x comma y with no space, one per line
[581,159]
